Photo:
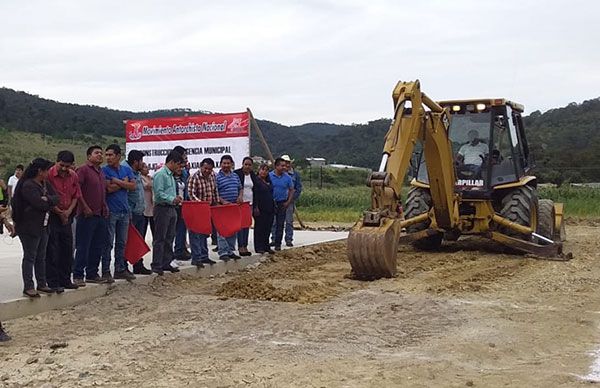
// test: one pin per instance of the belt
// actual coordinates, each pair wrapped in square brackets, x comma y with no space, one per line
[164,205]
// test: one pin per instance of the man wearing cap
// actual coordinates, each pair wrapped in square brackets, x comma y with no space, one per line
[289,213]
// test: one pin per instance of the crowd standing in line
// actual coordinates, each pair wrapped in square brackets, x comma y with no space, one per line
[51,200]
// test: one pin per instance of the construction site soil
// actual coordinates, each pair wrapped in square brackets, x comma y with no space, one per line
[469,315]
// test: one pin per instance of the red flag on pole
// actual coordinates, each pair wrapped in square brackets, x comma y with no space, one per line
[246,215]
[136,246]
[227,219]
[196,216]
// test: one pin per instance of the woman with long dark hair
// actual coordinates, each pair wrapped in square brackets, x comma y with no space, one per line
[248,179]
[263,210]
[32,202]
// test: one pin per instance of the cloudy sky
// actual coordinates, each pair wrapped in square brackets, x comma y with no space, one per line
[299,61]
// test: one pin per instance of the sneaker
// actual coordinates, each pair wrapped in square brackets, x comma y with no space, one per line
[235,257]
[246,253]
[107,277]
[79,282]
[46,290]
[225,258]
[96,280]
[208,261]
[171,269]
[58,290]
[159,272]
[278,247]
[198,264]
[125,274]
[289,244]
[142,271]
[71,286]
[174,264]
[270,251]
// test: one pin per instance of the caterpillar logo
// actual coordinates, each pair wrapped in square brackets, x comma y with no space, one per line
[469,182]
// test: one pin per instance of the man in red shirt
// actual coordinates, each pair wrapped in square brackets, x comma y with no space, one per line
[59,254]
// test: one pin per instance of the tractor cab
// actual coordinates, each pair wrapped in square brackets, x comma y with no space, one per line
[488,145]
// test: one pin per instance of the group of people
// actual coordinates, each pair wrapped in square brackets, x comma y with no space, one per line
[70,220]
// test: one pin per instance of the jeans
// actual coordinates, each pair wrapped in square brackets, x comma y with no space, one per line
[59,253]
[289,223]
[242,238]
[262,228]
[199,246]
[139,221]
[165,221]
[118,223]
[226,245]
[91,238]
[280,213]
[34,257]
[180,236]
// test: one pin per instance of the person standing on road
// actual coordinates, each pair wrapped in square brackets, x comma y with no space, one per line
[248,179]
[165,214]
[136,201]
[14,179]
[119,180]
[202,186]
[32,202]
[263,209]
[229,187]
[91,229]
[148,201]
[283,194]
[289,213]
[59,259]
[181,252]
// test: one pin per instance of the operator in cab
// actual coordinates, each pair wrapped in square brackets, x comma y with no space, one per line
[473,153]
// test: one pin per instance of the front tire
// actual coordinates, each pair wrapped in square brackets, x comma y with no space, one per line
[521,207]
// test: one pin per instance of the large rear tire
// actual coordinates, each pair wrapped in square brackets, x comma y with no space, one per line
[521,207]
[419,202]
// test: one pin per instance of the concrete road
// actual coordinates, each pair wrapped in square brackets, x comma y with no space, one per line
[11,284]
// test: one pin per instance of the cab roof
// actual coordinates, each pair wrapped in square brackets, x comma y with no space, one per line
[488,101]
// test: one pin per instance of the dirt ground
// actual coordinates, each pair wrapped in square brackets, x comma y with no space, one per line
[466,316]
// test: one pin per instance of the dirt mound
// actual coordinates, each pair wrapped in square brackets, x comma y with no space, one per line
[305,275]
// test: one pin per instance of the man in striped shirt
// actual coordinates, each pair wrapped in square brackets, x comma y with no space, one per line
[202,186]
[229,187]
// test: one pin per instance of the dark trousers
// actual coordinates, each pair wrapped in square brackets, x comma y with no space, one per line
[91,239]
[165,221]
[180,235]
[148,221]
[34,258]
[139,222]
[262,230]
[59,253]
[280,212]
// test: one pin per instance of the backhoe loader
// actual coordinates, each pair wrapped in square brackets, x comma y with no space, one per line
[472,176]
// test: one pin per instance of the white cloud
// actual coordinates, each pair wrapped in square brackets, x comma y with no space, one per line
[298,61]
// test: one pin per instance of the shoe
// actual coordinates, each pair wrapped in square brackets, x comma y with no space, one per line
[58,290]
[79,282]
[107,277]
[96,280]
[46,290]
[31,293]
[185,256]
[3,336]
[198,264]
[125,274]
[171,269]
[235,257]
[159,272]
[142,271]
[270,251]
[289,244]
[278,247]
[70,286]
[246,253]
[272,244]
[174,264]
[208,261]
[225,258]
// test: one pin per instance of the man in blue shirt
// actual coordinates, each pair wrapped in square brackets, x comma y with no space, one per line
[289,213]
[229,188]
[283,195]
[119,179]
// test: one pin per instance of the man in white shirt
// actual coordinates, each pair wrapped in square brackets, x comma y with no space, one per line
[13,180]
[473,153]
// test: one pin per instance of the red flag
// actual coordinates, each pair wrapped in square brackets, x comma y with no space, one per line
[196,216]
[227,219]
[136,246]
[246,215]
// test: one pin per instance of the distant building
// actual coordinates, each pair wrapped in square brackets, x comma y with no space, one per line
[316,162]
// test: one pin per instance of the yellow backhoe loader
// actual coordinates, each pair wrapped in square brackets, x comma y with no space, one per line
[472,176]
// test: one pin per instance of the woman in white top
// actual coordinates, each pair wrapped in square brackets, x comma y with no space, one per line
[248,179]
[148,200]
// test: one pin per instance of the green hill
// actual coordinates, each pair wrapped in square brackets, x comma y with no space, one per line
[564,141]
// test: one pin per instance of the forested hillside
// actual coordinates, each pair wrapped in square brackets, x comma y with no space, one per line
[564,141]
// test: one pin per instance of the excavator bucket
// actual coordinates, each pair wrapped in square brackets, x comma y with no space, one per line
[372,250]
